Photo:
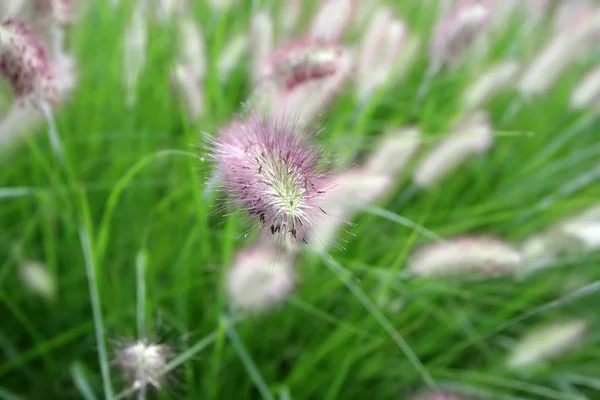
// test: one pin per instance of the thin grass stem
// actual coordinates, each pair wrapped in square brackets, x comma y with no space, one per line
[90,270]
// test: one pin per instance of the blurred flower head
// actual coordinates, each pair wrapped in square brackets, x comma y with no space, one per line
[232,55]
[37,279]
[473,136]
[458,29]
[379,51]
[394,151]
[332,19]
[25,64]
[547,342]
[500,76]
[259,278]
[587,92]
[562,50]
[572,236]
[135,51]
[349,191]
[463,255]
[143,364]
[300,61]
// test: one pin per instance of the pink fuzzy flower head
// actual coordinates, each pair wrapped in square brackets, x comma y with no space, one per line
[24,62]
[458,30]
[270,170]
[300,61]
[301,79]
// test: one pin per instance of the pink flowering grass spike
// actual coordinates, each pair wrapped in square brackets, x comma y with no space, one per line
[302,78]
[466,255]
[260,279]
[562,50]
[458,30]
[332,19]
[300,61]
[25,64]
[379,51]
[271,171]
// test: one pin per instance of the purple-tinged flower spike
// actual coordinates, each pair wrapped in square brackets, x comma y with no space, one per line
[458,30]
[25,64]
[261,40]
[349,191]
[301,79]
[260,278]
[394,151]
[231,56]
[332,19]
[300,61]
[474,136]
[498,78]
[485,256]
[587,92]
[439,395]
[561,51]
[135,49]
[20,120]
[379,52]
[271,171]
[314,96]
[143,364]
[572,236]
[547,342]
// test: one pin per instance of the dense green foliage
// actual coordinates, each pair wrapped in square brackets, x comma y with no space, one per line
[134,186]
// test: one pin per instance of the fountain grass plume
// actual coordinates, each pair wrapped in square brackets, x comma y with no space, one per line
[25,64]
[271,171]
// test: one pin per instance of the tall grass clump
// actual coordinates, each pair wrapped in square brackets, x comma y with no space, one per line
[336,199]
